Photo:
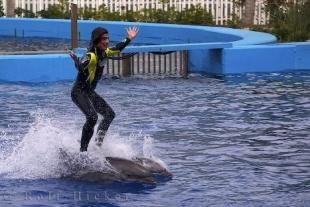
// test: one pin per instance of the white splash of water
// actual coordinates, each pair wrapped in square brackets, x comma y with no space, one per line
[148,151]
[37,155]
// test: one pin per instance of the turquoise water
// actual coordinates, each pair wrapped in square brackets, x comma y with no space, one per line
[242,140]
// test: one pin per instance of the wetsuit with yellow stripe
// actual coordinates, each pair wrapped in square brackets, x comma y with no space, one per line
[90,69]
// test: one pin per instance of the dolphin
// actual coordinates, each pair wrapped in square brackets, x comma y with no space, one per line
[130,170]
[153,166]
[139,170]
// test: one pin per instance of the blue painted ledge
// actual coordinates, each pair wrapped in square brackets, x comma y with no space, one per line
[212,50]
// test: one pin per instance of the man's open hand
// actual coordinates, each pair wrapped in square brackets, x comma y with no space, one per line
[132,32]
[74,58]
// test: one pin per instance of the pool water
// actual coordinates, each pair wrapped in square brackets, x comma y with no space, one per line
[13,44]
[242,140]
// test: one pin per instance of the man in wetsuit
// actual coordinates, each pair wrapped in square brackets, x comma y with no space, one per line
[90,69]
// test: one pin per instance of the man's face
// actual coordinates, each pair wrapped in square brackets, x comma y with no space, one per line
[104,42]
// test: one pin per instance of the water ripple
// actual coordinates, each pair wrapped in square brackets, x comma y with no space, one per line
[244,138]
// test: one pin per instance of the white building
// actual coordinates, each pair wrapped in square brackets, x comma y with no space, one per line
[221,10]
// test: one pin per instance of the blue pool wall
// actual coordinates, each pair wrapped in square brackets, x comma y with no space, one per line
[36,68]
[233,50]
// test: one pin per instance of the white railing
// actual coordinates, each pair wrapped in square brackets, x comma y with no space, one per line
[221,10]
[4,6]
[260,17]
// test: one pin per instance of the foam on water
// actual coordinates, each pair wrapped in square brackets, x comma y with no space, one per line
[37,155]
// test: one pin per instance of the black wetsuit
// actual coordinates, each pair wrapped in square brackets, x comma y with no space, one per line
[84,96]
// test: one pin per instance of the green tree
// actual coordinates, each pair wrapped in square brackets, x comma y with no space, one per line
[148,15]
[28,13]
[156,15]
[289,21]
[53,12]
[306,16]
[131,16]
[1,9]
[276,10]
[64,5]
[195,15]
[235,22]
[164,3]
[113,16]
[18,11]
[24,13]
[56,11]
[101,13]
[192,15]
[87,13]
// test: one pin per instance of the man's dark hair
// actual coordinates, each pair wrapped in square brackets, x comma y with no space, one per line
[96,35]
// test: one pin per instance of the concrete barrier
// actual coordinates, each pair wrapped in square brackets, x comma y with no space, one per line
[247,51]
[36,68]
